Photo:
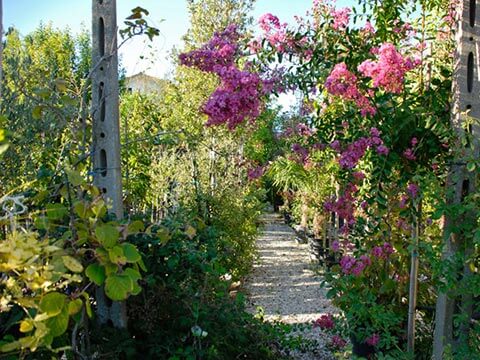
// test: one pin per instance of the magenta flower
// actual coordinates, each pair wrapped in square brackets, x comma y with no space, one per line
[338,342]
[341,17]
[324,322]
[336,246]
[413,190]
[255,173]
[341,82]
[377,252]
[388,72]
[373,340]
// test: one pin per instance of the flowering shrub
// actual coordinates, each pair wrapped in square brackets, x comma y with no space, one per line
[375,277]
[378,106]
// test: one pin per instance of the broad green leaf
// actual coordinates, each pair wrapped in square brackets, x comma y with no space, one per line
[10,346]
[96,273]
[26,326]
[72,264]
[74,177]
[133,274]
[116,255]
[107,235]
[118,287]
[75,306]
[131,253]
[135,227]
[58,324]
[52,303]
[37,112]
[56,211]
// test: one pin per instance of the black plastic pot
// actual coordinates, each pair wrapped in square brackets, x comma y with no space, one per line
[361,348]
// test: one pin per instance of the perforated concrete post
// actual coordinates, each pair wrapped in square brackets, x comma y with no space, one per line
[105,111]
[106,131]
[466,104]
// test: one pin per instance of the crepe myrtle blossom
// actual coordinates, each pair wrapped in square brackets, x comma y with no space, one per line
[350,156]
[413,190]
[324,322]
[274,32]
[337,342]
[344,206]
[255,173]
[341,18]
[373,340]
[343,83]
[388,70]
[238,97]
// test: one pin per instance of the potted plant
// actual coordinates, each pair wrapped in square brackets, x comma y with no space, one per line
[369,288]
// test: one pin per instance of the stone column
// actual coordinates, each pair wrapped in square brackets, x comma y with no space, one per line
[105,110]
[460,182]
[106,132]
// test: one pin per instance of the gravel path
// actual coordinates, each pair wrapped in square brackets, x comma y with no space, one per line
[284,285]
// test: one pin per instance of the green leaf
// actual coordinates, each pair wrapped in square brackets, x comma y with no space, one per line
[72,264]
[61,85]
[56,211]
[52,303]
[37,112]
[96,273]
[26,326]
[118,287]
[74,177]
[133,274]
[107,235]
[58,324]
[135,227]
[471,166]
[131,253]
[116,255]
[190,231]
[88,307]
[75,306]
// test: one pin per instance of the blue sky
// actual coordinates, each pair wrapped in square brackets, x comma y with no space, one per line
[26,15]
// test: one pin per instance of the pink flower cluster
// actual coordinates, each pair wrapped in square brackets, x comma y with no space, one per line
[341,18]
[352,265]
[219,52]
[344,206]
[236,99]
[355,266]
[342,82]
[413,190]
[300,152]
[388,72]
[238,96]
[337,342]
[373,340]
[255,173]
[304,130]
[410,152]
[275,32]
[382,252]
[324,322]
[350,157]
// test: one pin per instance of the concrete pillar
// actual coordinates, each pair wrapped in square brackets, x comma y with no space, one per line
[466,104]
[105,110]
[106,131]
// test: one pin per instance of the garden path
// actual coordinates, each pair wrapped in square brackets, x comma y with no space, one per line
[285,287]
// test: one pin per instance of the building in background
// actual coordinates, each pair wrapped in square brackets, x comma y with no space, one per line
[144,84]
